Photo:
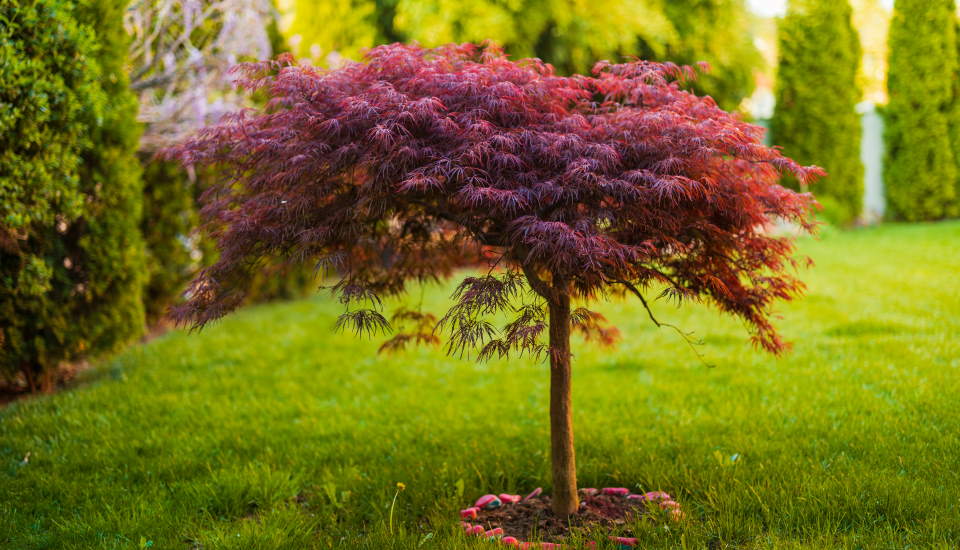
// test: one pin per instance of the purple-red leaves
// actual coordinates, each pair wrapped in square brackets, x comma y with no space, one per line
[418,161]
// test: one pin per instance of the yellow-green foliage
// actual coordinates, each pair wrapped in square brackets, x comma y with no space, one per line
[954,122]
[718,32]
[921,169]
[817,92]
[570,35]
[71,254]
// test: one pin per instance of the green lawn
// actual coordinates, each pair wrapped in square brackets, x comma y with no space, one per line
[269,431]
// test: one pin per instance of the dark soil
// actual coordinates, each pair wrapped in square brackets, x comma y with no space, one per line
[533,519]
[66,377]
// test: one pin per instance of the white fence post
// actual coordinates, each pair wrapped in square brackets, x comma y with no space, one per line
[871,155]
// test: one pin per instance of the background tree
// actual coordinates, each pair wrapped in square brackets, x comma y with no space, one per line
[872,21]
[817,92]
[719,33]
[181,53]
[405,167]
[954,121]
[173,253]
[181,56]
[569,35]
[71,255]
[920,170]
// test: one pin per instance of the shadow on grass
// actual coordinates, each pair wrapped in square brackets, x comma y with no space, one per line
[866,328]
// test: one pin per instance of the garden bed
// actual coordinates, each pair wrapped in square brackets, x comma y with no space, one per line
[516,521]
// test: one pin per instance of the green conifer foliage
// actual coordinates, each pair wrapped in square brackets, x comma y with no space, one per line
[954,124]
[176,251]
[172,255]
[816,121]
[920,171]
[71,254]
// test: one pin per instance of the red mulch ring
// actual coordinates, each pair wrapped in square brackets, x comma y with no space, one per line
[531,519]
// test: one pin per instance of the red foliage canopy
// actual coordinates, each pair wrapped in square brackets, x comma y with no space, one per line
[418,161]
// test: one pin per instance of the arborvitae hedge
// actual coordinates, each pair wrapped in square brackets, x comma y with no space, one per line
[816,120]
[920,172]
[71,255]
[954,122]
[176,252]
[170,214]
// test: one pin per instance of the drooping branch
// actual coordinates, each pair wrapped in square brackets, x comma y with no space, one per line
[415,327]
[594,326]
[687,336]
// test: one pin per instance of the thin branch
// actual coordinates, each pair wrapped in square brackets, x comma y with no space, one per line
[152,82]
[685,335]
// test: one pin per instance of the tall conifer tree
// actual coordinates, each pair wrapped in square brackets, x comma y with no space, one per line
[816,120]
[920,170]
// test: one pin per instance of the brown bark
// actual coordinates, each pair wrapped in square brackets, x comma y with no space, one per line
[565,500]
[37,378]
[48,380]
[27,370]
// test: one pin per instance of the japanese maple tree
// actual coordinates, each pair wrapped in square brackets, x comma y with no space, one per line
[416,162]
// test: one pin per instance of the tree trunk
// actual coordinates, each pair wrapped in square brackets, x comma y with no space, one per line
[28,376]
[565,500]
[38,378]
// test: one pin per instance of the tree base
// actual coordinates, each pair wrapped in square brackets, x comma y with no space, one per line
[607,513]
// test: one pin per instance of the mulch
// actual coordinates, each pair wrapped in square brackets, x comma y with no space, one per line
[532,519]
